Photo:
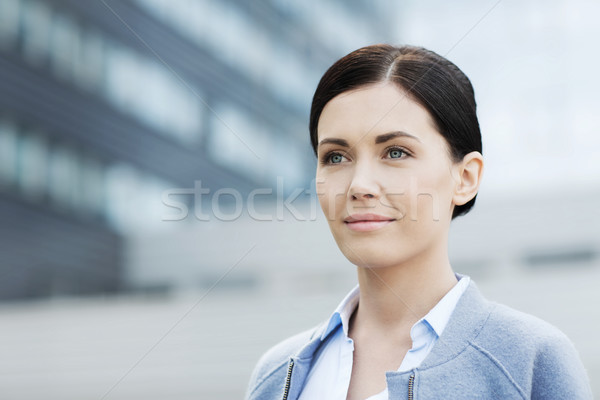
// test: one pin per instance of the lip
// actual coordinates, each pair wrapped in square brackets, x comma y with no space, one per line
[367,222]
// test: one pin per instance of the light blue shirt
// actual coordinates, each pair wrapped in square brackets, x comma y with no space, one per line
[329,376]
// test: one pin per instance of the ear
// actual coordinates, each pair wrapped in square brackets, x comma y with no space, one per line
[467,175]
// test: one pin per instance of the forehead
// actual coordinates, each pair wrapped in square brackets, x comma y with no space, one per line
[372,110]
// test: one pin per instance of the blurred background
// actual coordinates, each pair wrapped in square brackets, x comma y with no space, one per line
[159,228]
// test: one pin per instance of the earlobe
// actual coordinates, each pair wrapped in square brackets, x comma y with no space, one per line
[470,171]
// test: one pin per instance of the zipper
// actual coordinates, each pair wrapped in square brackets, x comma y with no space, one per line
[288,378]
[411,383]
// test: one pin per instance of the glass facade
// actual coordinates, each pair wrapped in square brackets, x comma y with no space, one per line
[51,173]
[232,35]
[107,106]
[131,82]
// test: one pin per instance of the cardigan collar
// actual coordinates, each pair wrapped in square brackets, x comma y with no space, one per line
[464,325]
[467,320]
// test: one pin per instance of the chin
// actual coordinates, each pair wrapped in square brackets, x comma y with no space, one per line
[364,255]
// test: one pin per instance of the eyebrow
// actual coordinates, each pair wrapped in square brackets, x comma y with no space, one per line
[378,139]
[391,135]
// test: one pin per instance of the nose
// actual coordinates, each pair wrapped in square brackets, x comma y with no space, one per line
[363,185]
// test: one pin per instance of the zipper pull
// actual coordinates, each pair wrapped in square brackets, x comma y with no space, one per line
[411,383]
[288,379]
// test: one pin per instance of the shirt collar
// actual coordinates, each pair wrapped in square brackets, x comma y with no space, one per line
[437,318]
[342,313]
[439,315]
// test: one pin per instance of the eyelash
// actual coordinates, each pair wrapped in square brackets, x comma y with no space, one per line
[326,159]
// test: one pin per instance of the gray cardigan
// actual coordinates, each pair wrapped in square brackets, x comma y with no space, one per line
[487,351]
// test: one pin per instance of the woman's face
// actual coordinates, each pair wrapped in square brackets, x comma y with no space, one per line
[385,179]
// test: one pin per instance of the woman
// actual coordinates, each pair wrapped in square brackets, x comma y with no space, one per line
[399,150]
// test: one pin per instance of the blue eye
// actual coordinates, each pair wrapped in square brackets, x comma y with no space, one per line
[332,158]
[335,158]
[396,152]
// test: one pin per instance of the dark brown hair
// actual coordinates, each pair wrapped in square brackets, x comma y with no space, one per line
[428,78]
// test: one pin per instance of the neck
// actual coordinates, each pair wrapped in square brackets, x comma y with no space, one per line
[395,297]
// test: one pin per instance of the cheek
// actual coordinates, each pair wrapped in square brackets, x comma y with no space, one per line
[431,195]
[331,193]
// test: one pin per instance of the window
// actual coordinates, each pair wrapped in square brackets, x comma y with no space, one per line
[63,177]
[93,186]
[9,22]
[238,142]
[89,68]
[37,19]
[64,45]
[153,94]
[31,161]
[121,81]
[8,152]
[134,199]
[235,38]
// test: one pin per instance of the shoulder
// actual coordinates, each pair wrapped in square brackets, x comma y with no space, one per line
[535,354]
[515,338]
[275,360]
[532,332]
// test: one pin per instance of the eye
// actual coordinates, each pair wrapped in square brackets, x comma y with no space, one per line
[396,152]
[333,158]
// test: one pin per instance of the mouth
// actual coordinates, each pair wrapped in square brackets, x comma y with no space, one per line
[367,222]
